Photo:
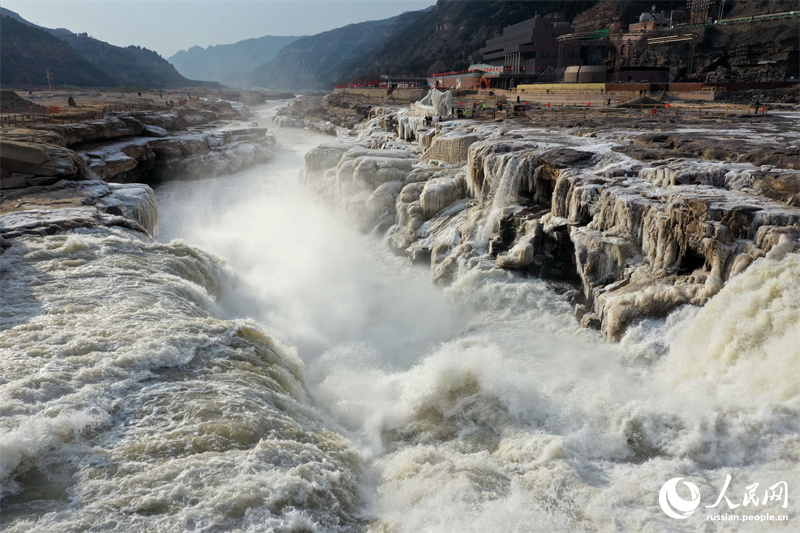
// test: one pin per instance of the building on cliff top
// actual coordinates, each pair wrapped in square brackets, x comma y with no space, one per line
[527,49]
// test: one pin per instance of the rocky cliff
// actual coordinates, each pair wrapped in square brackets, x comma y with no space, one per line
[629,223]
[189,141]
[765,50]
[57,177]
[443,38]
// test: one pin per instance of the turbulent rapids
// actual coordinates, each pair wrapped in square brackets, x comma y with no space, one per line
[267,364]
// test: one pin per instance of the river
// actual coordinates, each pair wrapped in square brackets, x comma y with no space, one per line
[262,366]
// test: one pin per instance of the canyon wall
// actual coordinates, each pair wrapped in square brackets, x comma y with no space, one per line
[59,177]
[629,220]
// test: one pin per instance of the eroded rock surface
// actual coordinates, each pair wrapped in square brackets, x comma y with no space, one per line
[328,113]
[185,142]
[640,222]
[58,178]
[68,205]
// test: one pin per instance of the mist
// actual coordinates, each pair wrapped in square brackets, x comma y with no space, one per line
[308,276]
[483,404]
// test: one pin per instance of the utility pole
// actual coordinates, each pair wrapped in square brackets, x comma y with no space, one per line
[49,79]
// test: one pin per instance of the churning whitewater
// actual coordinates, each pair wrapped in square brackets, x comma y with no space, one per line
[262,366]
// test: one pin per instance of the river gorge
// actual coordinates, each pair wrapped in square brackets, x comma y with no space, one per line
[464,327]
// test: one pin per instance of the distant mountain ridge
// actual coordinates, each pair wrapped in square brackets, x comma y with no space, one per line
[316,62]
[28,51]
[418,43]
[229,64]
[414,43]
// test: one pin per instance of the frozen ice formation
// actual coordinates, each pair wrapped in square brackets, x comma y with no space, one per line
[435,103]
[450,147]
[639,231]
[67,205]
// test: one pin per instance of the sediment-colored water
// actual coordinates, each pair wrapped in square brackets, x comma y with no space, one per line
[264,367]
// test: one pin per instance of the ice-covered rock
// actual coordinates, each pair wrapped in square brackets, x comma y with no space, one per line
[408,127]
[319,159]
[67,205]
[500,168]
[192,154]
[451,147]
[380,206]
[440,192]
[139,146]
[361,168]
[371,171]
[435,103]
[638,233]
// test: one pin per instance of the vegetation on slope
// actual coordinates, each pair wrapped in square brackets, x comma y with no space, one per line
[27,52]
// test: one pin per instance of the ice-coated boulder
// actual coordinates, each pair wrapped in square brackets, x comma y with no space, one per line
[440,192]
[380,206]
[319,159]
[371,171]
[110,127]
[40,164]
[435,103]
[67,205]
[451,147]
[362,168]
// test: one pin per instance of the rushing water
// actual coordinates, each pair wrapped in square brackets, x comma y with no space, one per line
[263,367]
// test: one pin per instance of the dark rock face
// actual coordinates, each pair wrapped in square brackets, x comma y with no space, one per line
[767,49]
[443,38]
[560,158]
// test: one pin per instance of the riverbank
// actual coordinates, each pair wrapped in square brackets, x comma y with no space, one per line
[57,176]
[632,213]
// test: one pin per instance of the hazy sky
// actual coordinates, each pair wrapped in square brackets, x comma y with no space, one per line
[169,26]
